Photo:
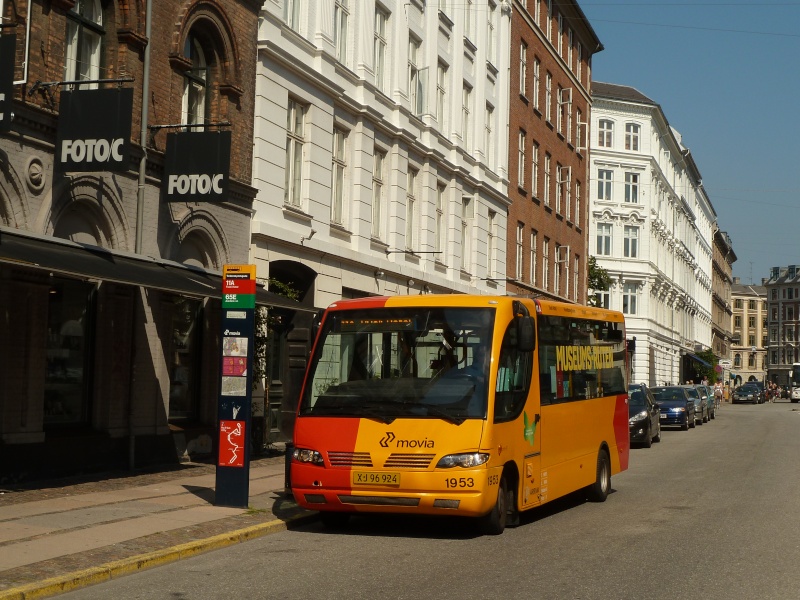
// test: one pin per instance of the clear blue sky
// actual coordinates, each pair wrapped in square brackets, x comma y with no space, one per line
[727,76]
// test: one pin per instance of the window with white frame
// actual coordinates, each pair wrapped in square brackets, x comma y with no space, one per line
[578,215]
[339,168]
[523,67]
[194,107]
[295,119]
[567,281]
[560,42]
[557,269]
[602,299]
[491,243]
[441,190]
[537,67]
[468,16]
[414,80]
[519,252]
[546,263]
[605,133]
[535,170]
[411,208]
[521,159]
[490,32]
[488,137]
[549,24]
[632,136]
[570,43]
[559,187]
[630,242]
[630,298]
[548,97]
[532,266]
[466,233]
[377,192]
[567,176]
[578,119]
[341,14]
[604,178]
[546,191]
[575,278]
[604,239]
[559,110]
[578,60]
[291,13]
[380,42]
[466,122]
[84,41]
[632,188]
[441,94]
[537,12]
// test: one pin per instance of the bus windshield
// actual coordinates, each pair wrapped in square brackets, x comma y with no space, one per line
[401,362]
[796,375]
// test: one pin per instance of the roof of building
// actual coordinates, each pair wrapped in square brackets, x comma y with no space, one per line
[743,289]
[619,92]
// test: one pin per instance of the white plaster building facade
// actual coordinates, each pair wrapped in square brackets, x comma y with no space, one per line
[652,227]
[381,146]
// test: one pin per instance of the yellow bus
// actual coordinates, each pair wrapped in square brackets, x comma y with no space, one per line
[481,406]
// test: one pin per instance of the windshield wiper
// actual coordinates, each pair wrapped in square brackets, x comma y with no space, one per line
[432,410]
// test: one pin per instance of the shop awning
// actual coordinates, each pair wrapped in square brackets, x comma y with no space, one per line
[91,262]
[698,359]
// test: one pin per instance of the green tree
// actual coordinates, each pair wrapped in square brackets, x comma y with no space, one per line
[708,372]
[263,323]
[598,281]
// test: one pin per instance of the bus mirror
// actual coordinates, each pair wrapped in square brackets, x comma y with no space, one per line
[526,335]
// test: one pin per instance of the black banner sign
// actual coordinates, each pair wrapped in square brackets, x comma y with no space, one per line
[197,166]
[94,130]
[8,49]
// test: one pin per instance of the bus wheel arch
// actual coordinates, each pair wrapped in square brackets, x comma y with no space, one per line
[599,490]
[505,511]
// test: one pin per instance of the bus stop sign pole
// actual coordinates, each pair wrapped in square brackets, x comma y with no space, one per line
[235,388]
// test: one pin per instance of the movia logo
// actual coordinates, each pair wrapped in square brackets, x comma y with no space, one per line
[390,437]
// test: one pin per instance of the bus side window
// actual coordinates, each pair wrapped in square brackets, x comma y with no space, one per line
[513,377]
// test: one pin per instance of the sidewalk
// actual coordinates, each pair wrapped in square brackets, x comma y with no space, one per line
[62,535]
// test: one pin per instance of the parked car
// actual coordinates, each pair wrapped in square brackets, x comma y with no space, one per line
[644,417]
[675,405]
[745,393]
[762,392]
[707,392]
[700,404]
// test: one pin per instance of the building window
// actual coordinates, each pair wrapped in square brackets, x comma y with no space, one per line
[440,207]
[411,207]
[341,13]
[295,117]
[468,19]
[559,187]
[631,242]
[548,97]
[441,93]
[377,193]
[518,255]
[414,80]
[751,360]
[380,48]
[491,243]
[737,322]
[521,159]
[604,239]
[751,304]
[546,263]
[575,277]
[523,66]
[737,303]
[578,60]
[532,266]
[632,187]
[339,167]
[737,360]
[602,299]
[630,297]
[488,141]
[466,233]
[751,322]
[604,184]
[291,13]
[546,191]
[490,27]
[560,42]
[537,65]
[535,170]
[632,137]
[68,352]
[605,133]
[84,41]
[557,269]
[195,84]
[466,103]
[184,371]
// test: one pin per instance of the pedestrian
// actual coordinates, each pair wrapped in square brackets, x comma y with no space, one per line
[717,394]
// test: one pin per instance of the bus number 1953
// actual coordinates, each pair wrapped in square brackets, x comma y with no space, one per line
[460,482]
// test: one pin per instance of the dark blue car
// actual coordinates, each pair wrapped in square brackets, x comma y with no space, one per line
[677,408]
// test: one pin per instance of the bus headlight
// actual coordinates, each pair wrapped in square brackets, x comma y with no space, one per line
[466,460]
[308,456]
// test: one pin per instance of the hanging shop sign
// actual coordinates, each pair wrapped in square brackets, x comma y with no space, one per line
[196,166]
[234,410]
[94,130]
[8,45]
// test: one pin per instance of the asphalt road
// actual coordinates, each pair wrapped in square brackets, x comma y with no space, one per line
[711,513]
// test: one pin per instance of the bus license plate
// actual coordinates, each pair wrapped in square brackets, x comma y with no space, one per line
[375,478]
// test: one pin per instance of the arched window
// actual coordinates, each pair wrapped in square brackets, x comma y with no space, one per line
[737,360]
[195,87]
[84,41]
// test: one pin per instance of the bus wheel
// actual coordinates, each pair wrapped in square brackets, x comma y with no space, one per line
[598,491]
[334,520]
[495,522]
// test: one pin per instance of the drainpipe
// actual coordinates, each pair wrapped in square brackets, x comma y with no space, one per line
[140,210]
